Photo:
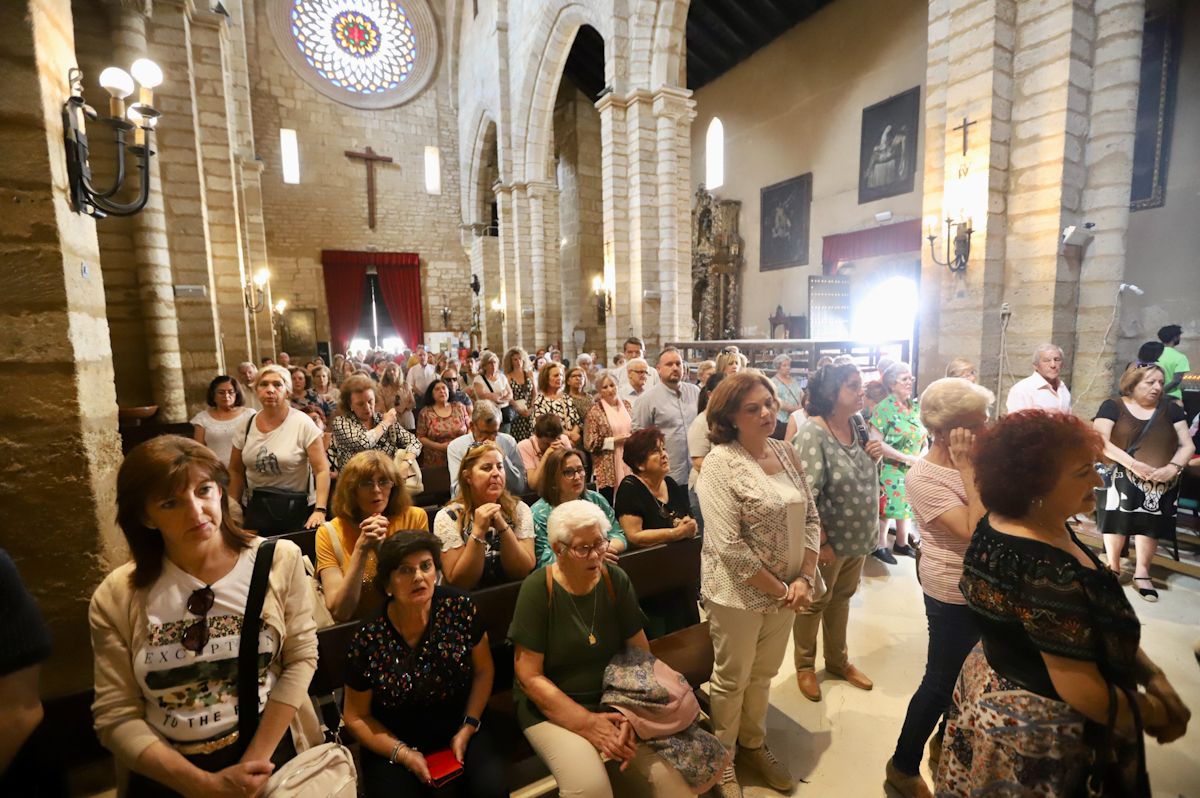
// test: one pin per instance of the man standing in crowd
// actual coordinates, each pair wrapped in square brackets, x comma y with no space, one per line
[1041,390]
[638,377]
[634,348]
[670,406]
[285,360]
[420,375]
[1174,363]
[485,428]
[247,374]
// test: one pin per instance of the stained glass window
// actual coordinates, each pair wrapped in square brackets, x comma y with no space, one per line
[366,47]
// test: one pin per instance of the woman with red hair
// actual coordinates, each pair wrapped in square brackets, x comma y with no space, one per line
[1050,698]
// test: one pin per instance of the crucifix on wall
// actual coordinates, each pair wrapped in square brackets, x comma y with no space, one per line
[370,157]
[964,127]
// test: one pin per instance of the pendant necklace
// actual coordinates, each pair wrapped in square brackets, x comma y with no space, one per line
[591,631]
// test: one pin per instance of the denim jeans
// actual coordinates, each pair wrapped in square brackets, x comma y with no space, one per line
[952,635]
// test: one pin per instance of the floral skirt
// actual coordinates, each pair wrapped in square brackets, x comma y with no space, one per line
[1002,740]
[892,495]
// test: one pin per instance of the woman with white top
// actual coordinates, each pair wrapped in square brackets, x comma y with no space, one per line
[217,426]
[279,457]
[790,393]
[757,567]
[492,384]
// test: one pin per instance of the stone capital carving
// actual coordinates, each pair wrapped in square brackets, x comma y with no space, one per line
[143,8]
[674,102]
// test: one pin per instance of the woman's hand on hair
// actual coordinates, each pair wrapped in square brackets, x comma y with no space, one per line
[962,441]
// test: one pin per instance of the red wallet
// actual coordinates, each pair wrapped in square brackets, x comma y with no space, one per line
[443,767]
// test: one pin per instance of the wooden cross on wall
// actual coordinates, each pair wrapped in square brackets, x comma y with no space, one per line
[369,157]
[963,127]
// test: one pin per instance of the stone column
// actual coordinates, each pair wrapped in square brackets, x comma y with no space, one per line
[254,246]
[624,282]
[642,198]
[60,444]
[536,194]
[155,280]
[507,272]
[674,110]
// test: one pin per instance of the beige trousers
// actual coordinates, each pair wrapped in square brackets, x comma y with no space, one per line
[748,648]
[581,773]
[830,613]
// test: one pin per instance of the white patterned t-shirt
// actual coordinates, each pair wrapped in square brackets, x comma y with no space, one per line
[193,696]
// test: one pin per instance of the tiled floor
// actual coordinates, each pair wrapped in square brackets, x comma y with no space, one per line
[840,745]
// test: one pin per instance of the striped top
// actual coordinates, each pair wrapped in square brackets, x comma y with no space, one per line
[933,490]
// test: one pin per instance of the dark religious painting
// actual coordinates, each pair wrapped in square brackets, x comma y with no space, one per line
[887,160]
[1156,107]
[783,239]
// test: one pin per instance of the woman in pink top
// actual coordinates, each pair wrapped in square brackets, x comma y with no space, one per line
[605,430]
[946,505]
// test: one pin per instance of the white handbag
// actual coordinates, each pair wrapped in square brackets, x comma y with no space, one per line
[325,771]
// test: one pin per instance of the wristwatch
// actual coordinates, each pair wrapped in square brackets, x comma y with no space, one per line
[811,579]
[471,721]
[321,510]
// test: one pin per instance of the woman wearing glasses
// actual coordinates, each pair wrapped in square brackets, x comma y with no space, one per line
[165,630]
[571,617]
[217,426]
[370,505]
[418,679]
[563,481]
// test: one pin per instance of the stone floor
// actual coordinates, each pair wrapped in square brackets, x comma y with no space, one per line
[840,745]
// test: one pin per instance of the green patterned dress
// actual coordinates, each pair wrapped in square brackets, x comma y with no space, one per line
[902,430]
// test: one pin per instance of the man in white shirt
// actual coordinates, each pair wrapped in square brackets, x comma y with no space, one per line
[247,375]
[1041,390]
[634,348]
[670,406]
[637,382]
[485,428]
[420,376]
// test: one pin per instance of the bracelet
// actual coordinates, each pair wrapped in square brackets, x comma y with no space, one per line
[785,593]
[1178,467]
[477,539]
[395,749]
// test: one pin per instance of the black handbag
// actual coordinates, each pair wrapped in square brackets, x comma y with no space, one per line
[508,414]
[1107,778]
[275,511]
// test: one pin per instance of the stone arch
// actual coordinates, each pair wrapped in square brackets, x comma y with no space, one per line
[477,189]
[542,76]
[667,57]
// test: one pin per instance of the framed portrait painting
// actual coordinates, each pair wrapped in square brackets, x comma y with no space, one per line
[887,161]
[784,225]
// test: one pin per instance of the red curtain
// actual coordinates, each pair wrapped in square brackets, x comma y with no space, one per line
[400,282]
[345,279]
[887,240]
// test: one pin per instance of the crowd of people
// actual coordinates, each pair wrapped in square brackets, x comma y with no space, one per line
[792,481]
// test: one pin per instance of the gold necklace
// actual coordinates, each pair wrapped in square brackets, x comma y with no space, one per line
[591,630]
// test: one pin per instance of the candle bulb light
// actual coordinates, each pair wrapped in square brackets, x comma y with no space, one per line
[149,76]
[119,85]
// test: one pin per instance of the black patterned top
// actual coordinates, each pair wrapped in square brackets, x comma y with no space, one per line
[419,694]
[1030,597]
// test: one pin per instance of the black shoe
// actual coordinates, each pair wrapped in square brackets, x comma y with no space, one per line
[904,551]
[1148,593]
[884,555]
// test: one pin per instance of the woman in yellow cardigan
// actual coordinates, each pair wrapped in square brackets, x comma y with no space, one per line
[166,629]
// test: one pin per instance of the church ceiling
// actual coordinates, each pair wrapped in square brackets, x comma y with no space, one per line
[723,33]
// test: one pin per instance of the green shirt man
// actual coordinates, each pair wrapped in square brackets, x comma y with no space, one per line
[1174,363]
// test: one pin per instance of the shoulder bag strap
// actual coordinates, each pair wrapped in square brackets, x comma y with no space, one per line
[488,383]
[247,672]
[1133,447]
[612,595]
[335,540]
[549,587]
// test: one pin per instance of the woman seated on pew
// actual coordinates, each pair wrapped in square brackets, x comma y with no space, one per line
[418,678]
[562,481]
[651,506]
[571,618]
[166,628]
[370,505]
[486,532]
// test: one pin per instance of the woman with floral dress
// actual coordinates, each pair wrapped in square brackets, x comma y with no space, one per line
[552,398]
[898,419]
[440,422]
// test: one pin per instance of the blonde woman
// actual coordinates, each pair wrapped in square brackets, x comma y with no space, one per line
[961,367]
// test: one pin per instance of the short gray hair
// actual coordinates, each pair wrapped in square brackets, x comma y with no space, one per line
[633,360]
[583,358]
[278,371]
[485,410]
[1037,353]
[948,401]
[488,356]
[893,374]
[606,376]
[570,518]
[780,359]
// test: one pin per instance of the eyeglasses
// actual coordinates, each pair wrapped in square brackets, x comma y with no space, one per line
[384,485]
[638,371]
[571,473]
[229,392]
[408,571]
[195,636]
[583,552]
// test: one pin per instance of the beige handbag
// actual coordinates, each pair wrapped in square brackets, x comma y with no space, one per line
[324,771]
[415,481]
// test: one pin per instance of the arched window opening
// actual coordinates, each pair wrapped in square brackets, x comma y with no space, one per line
[714,155]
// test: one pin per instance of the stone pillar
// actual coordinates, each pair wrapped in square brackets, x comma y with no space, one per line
[153,258]
[185,200]
[624,282]
[674,110]
[507,273]
[59,441]
[254,247]
[536,194]
[642,199]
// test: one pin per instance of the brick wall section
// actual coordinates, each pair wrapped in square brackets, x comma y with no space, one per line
[60,440]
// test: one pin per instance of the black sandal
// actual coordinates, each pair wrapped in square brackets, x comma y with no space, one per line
[1149,594]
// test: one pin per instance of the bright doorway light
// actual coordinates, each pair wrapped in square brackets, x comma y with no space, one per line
[359,346]
[289,151]
[393,345]
[714,155]
[888,312]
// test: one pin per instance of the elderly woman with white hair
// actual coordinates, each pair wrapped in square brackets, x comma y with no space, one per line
[492,384]
[898,420]
[280,458]
[946,504]
[572,616]
[789,391]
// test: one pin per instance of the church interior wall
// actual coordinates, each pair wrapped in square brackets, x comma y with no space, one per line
[796,107]
[328,208]
[1164,243]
